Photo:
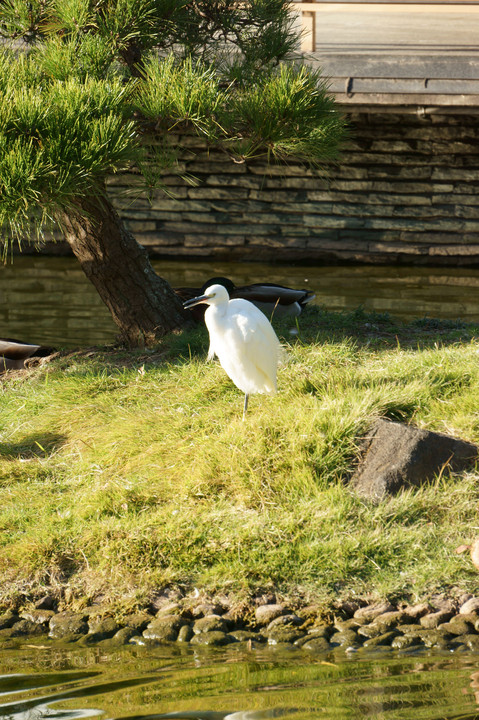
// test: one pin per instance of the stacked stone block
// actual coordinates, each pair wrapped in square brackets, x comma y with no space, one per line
[404,190]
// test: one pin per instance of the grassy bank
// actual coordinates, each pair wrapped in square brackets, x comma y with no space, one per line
[121,473]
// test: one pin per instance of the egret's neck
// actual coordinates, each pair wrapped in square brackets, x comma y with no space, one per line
[216,310]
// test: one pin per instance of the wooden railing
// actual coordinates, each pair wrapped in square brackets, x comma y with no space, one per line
[308,10]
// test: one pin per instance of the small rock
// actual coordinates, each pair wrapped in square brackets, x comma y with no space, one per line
[138,621]
[402,642]
[395,617]
[268,598]
[432,620]
[411,628]
[95,610]
[385,639]
[104,628]
[245,635]
[456,626]
[264,614]
[27,627]
[471,640]
[389,620]
[442,644]
[123,636]
[165,597]
[215,637]
[224,602]
[8,619]
[205,609]
[370,631]
[436,638]
[350,624]
[470,606]
[282,634]
[65,624]
[348,637]
[370,612]
[286,620]
[143,641]
[172,608]
[210,623]
[414,612]
[323,630]
[300,641]
[317,645]
[463,599]
[471,618]
[235,616]
[185,634]
[347,607]
[40,617]
[164,629]
[47,602]
[440,602]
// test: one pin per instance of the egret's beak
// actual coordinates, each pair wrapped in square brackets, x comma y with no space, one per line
[196,301]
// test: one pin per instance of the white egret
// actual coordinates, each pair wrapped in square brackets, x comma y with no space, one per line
[242,339]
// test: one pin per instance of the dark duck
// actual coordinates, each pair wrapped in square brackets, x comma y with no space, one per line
[14,353]
[274,300]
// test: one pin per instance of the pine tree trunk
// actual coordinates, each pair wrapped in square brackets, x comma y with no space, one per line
[142,304]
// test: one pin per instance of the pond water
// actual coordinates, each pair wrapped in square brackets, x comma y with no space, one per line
[48,300]
[140,683]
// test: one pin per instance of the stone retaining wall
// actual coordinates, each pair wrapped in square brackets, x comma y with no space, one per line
[443,626]
[404,191]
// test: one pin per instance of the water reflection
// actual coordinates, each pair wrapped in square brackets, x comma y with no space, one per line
[47,300]
[234,684]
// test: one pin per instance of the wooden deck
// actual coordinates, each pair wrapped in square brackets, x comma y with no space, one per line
[420,56]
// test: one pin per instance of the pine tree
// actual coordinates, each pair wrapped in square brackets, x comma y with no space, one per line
[84,83]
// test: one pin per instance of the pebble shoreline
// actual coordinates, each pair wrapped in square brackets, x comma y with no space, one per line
[446,625]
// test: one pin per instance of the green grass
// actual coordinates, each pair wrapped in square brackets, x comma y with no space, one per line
[125,472]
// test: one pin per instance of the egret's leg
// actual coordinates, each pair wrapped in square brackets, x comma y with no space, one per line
[245,405]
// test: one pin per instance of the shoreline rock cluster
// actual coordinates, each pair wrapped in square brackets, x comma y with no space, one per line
[446,625]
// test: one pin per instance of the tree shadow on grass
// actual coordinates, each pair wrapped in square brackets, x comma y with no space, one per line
[382,330]
[377,331]
[32,446]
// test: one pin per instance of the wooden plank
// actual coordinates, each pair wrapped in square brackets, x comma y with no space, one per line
[370,107]
[417,100]
[308,27]
[308,35]
[434,86]
[385,65]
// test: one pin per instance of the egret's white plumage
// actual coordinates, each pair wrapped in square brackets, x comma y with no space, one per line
[243,340]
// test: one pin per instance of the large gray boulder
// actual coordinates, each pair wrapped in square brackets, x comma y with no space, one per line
[396,456]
